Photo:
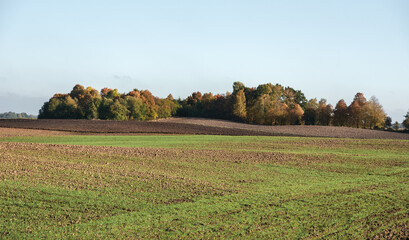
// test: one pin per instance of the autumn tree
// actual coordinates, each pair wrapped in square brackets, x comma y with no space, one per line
[356,116]
[295,115]
[105,91]
[359,97]
[166,108]
[149,100]
[77,91]
[280,114]
[257,111]
[88,101]
[354,112]
[340,114]
[170,97]
[300,99]
[373,114]
[324,113]
[280,105]
[195,98]
[265,104]
[239,106]
[269,110]
[192,106]
[113,94]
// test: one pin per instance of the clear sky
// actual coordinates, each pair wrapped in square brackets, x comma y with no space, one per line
[328,49]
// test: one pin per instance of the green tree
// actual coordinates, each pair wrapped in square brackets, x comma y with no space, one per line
[60,106]
[237,86]
[113,94]
[263,89]
[118,111]
[77,91]
[137,110]
[104,108]
[91,111]
[113,109]
[373,114]
[67,108]
[166,108]
[88,103]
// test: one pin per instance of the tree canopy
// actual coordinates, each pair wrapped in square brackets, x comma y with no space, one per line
[108,104]
[270,104]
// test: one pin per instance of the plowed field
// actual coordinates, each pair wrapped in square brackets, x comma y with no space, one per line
[65,185]
[198,126]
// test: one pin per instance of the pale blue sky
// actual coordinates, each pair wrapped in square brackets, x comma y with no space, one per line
[327,49]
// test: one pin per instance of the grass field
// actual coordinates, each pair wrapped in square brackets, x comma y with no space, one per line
[181,186]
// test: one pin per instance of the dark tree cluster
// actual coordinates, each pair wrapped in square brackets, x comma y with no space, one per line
[88,103]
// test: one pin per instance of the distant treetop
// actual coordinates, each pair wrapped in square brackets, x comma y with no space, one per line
[13,115]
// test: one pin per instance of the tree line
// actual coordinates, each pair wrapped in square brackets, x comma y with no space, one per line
[108,104]
[13,115]
[277,105]
[270,104]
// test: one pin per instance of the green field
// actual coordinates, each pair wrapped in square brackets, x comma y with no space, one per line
[203,187]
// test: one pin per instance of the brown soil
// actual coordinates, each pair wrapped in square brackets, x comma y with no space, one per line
[196,126]
[20,132]
[295,130]
[188,155]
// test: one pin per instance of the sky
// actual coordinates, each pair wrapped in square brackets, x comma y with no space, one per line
[326,49]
